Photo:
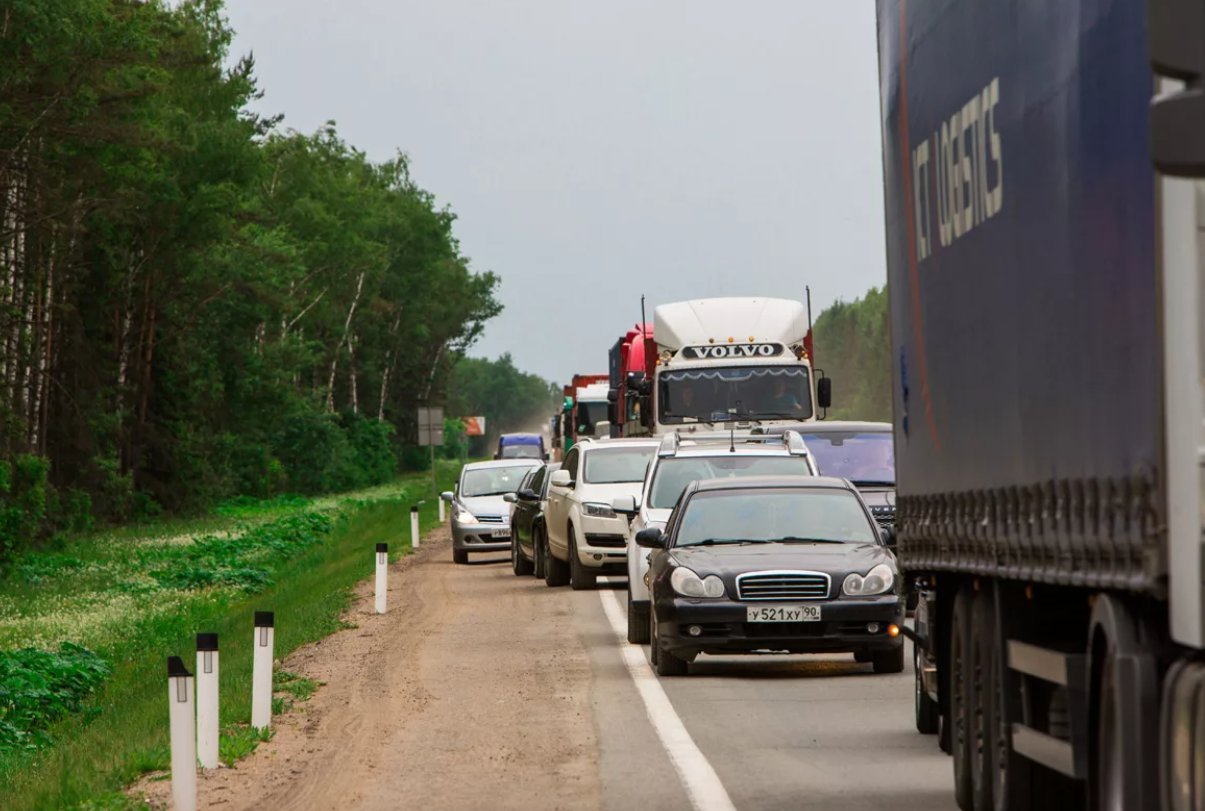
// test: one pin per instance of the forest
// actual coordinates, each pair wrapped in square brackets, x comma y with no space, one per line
[195,302]
[853,347]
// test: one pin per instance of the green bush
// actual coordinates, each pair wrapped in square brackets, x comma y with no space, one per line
[38,687]
[372,441]
[314,451]
[23,497]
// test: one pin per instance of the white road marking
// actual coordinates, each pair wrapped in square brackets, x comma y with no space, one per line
[702,784]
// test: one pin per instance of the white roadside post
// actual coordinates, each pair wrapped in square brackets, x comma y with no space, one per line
[261,674]
[414,527]
[443,516]
[207,700]
[382,576]
[181,700]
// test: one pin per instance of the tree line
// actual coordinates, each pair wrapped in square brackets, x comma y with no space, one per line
[853,346]
[195,303]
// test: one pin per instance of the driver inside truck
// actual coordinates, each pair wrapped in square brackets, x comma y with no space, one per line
[782,401]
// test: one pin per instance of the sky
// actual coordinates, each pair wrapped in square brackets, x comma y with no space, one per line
[594,152]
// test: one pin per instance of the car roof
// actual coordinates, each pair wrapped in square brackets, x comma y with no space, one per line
[833,427]
[621,442]
[723,449]
[503,463]
[770,482]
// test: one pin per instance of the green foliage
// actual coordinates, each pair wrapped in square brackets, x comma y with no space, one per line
[23,495]
[38,687]
[237,741]
[853,346]
[510,400]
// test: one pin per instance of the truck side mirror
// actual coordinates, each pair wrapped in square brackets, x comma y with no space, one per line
[824,392]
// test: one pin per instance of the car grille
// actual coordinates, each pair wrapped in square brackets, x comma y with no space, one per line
[782,586]
[490,519]
[607,541]
[883,514]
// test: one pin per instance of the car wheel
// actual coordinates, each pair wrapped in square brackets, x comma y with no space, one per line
[638,623]
[556,573]
[924,708]
[537,552]
[460,556]
[654,655]
[665,663]
[580,577]
[518,564]
[888,661]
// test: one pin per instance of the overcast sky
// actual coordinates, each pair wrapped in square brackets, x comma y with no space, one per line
[596,151]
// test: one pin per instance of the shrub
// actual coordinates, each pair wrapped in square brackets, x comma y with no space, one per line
[38,687]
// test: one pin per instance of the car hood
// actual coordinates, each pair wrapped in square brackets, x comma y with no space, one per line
[486,505]
[604,493]
[837,560]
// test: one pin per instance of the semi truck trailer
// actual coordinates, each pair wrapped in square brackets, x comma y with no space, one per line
[1045,284]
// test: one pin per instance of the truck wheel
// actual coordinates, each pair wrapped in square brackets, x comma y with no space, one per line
[925,708]
[518,564]
[580,577]
[982,677]
[958,680]
[888,661]
[537,551]
[638,623]
[460,556]
[665,663]
[556,573]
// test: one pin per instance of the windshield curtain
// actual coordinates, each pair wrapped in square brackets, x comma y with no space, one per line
[673,475]
[766,515]
[492,481]
[588,416]
[616,465]
[718,394]
[866,457]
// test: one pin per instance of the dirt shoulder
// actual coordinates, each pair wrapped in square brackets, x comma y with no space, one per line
[472,692]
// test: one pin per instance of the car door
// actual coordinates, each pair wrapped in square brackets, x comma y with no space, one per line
[559,504]
[526,509]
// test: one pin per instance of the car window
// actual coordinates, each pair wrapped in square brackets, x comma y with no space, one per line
[570,462]
[672,475]
[780,514]
[863,457]
[536,482]
[492,481]
[615,465]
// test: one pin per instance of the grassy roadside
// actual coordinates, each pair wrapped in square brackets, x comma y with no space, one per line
[123,732]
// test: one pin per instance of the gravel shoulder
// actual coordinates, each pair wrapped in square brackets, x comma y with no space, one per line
[470,692]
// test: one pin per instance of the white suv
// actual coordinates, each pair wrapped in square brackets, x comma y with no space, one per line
[586,537]
[677,464]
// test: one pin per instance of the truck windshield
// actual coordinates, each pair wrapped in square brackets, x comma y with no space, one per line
[590,414]
[788,515]
[672,475]
[862,457]
[718,394]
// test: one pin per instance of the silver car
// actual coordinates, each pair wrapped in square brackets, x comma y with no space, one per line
[480,516]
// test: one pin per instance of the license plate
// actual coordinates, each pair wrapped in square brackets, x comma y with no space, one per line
[500,533]
[783,613]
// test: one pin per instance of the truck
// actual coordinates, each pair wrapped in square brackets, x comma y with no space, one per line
[585,409]
[1045,282]
[725,364]
[632,367]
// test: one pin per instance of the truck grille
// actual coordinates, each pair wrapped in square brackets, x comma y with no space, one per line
[782,586]
[884,515]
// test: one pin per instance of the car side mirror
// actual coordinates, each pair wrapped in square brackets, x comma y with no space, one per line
[509,498]
[888,535]
[561,478]
[527,494]
[824,392]
[651,538]
[447,496]
[625,505]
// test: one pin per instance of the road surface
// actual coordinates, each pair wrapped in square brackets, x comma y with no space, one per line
[480,689]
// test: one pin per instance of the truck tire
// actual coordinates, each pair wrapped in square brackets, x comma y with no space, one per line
[460,557]
[888,661]
[638,623]
[924,708]
[556,572]
[580,577]
[982,678]
[519,565]
[959,691]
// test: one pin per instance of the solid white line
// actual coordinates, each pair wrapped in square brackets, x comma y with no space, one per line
[702,784]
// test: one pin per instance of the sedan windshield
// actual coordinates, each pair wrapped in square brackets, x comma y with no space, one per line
[492,481]
[787,515]
[521,452]
[616,465]
[863,457]
[672,475]
[734,393]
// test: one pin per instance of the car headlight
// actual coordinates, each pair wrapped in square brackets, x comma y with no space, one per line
[878,580]
[465,517]
[689,584]
[598,510]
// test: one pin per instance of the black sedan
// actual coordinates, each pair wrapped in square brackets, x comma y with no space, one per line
[781,564]
[527,520]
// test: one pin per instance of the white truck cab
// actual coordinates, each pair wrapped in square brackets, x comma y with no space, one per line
[677,463]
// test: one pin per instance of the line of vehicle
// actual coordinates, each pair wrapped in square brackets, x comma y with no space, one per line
[699,779]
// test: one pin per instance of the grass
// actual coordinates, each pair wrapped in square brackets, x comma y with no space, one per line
[123,732]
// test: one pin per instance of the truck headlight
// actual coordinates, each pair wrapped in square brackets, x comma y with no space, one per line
[878,580]
[689,584]
[598,510]
[463,516]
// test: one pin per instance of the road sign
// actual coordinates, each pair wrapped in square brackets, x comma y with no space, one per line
[474,426]
[430,426]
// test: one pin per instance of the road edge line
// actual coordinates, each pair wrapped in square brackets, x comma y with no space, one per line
[699,779]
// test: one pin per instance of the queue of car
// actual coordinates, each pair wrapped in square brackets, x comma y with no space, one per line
[754,543]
